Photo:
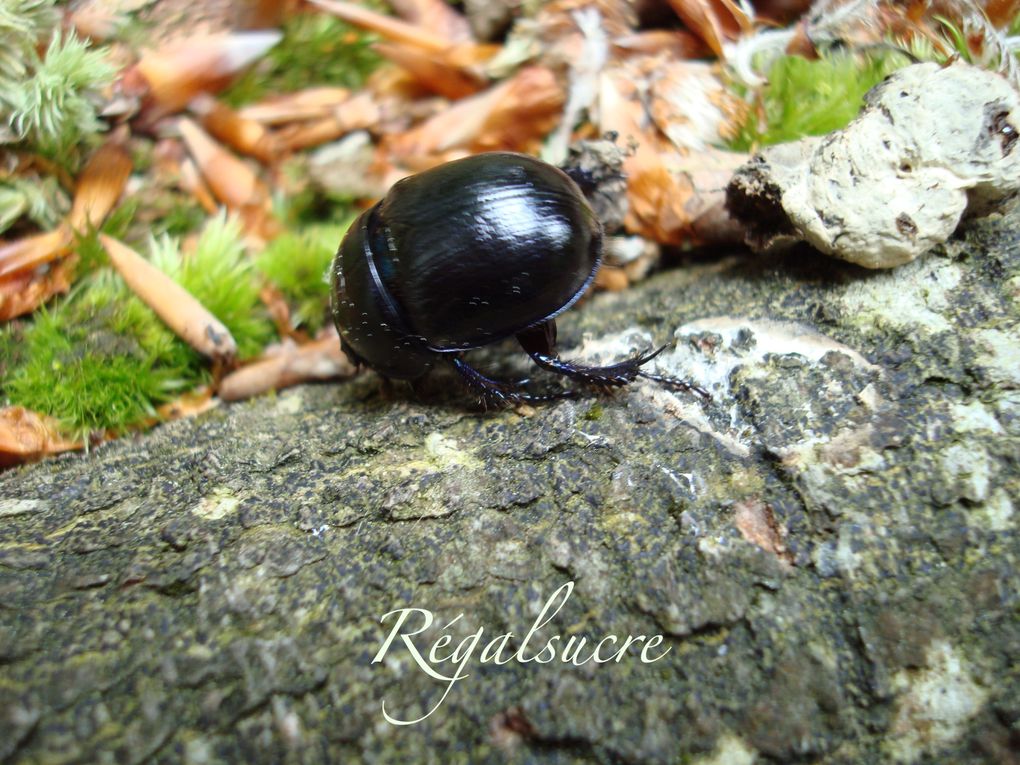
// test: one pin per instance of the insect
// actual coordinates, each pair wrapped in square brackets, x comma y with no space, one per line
[467,254]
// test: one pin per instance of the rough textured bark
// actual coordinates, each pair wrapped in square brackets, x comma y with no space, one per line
[830,548]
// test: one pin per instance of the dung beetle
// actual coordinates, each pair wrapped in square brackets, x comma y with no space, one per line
[467,254]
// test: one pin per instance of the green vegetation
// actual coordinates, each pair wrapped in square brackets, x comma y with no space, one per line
[48,101]
[39,199]
[100,359]
[297,264]
[77,364]
[48,105]
[22,24]
[53,108]
[813,97]
[316,49]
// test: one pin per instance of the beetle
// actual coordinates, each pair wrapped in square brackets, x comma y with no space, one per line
[464,255]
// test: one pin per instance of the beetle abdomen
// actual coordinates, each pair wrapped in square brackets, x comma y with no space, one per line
[478,249]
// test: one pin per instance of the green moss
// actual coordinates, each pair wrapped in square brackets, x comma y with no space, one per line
[813,97]
[91,254]
[221,276]
[40,200]
[22,23]
[595,412]
[183,215]
[75,366]
[316,49]
[297,264]
[101,359]
[51,106]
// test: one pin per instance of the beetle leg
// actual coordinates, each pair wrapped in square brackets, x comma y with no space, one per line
[502,393]
[539,343]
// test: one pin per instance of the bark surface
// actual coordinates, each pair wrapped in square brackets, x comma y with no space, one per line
[829,548]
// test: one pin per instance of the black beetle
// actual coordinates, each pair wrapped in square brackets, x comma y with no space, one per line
[464,255]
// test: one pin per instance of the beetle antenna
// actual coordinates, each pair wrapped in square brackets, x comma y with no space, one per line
[677,384]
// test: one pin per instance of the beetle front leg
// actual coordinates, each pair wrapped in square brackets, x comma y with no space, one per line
[539,343]
[501,393]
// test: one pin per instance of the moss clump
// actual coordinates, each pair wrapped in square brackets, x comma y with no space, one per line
[812,97]
[75,364]
[316,49]
[40,200]
[297,264]
[102,360]
[49,102]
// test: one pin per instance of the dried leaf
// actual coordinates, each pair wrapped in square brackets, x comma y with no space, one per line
[100,185]
[386,26]
[26,436]
[231,180]
[433,72]
[691,106]
[188,318]
[189,405]
[319,360]
[674,44]
[435,16]
[22,293]
[358,113]
[244,135]
[179,71]
[714,21]
[308,104]
[193,183]
[33,251]
[513,115]
[757,523]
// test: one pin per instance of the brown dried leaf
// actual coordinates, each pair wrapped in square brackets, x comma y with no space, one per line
[435,16]
[100,185]
[1002,12]
[319,360]
[234,183]
[26,436]
[181,312]
[513,115]
[23,292]
[178,72]
[691,106]
[193,183]
[308,104]
[611,279]
[432,71]
[189,405]
[757,523]
[671,43]
[33,251]
[714,21]
[387,26]
[244,135]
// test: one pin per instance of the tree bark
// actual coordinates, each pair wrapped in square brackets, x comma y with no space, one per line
[829,548]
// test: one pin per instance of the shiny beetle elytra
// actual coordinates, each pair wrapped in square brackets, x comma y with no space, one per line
[464,255]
